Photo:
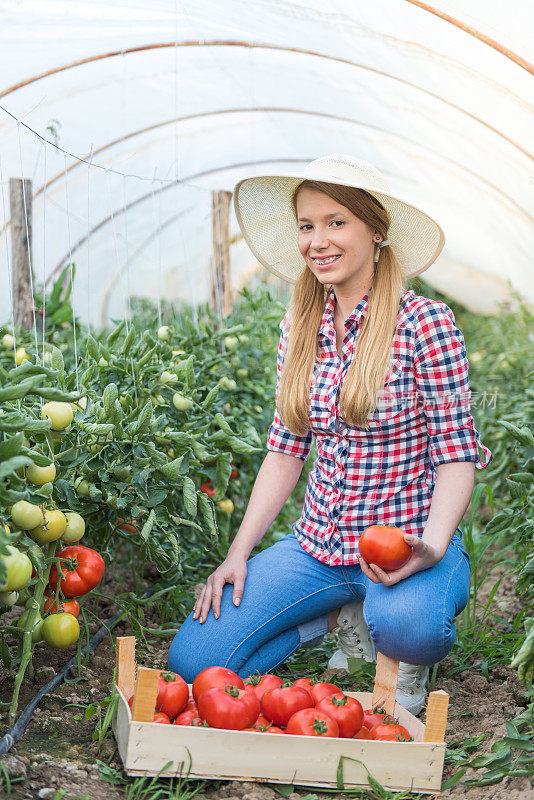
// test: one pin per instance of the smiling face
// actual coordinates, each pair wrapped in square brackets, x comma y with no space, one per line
[327,228]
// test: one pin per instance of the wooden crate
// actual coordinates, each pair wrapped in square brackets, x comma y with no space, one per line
[149,748]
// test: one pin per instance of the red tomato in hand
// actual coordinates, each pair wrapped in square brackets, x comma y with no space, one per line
[375,716]
[279,705]
[260,683]
[173,693]
[81,569]
[162,718]
[384,546]
[230,707]
[347,712]
[391,733]
[214,677]
[312,722]
[321,690]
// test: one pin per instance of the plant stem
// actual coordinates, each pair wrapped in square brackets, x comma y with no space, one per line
[27,644]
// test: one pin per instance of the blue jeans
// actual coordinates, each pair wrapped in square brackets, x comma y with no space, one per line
[288,594]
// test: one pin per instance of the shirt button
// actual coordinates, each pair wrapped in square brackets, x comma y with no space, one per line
[339,425]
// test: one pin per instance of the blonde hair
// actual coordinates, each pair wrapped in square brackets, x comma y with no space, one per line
[371,358]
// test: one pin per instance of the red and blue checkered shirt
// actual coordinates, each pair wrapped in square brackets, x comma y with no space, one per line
[384,475]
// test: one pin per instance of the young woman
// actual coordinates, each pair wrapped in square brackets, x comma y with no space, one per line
[379,376]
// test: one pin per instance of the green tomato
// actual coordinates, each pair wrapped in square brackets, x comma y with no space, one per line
[242,372]
[163,333]
[37,631]
[75,527]
[180,402]
[60,630]
[102,362]
[230,341]
[52,529]
[25,515]
[82,487]
[168,377]
[18,568]
[60,414]
[9,598]
[40,475]
[8,341]
[228,383]
[123,473]
[243,337]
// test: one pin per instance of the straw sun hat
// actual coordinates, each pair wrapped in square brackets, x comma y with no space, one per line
[264,213]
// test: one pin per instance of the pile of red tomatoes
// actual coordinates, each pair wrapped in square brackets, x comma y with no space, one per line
[267,704]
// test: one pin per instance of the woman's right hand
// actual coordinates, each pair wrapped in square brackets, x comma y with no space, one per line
[232,570]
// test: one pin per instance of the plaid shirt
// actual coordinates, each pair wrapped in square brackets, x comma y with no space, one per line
[384,475]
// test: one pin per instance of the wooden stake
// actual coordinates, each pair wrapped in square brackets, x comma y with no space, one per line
[21,240]
[146,692]
[385,687]
[436,716]
[221,287]
[125,652]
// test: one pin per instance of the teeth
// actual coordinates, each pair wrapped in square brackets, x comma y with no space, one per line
[326,261]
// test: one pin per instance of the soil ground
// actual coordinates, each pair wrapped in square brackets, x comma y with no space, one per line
[57,750]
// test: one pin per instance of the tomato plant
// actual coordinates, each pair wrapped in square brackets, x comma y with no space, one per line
[312,722]
[81,568]
[230,707]
[384,546]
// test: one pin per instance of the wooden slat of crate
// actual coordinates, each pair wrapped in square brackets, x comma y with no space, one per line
[146,747]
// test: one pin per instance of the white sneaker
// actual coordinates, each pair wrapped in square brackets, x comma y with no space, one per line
[411,686]
[354,637]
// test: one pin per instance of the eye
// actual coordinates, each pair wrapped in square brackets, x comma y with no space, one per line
[340,221]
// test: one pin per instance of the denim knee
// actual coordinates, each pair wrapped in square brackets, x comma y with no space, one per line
[195,647]
[408,636]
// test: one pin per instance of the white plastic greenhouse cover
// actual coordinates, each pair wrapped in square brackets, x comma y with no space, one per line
[154,105]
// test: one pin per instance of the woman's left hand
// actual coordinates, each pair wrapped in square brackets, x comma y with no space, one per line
[423,556]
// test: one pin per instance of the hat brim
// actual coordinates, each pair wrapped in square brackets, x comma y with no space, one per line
[263,210]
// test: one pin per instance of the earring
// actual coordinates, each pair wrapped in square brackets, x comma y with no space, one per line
[377,253]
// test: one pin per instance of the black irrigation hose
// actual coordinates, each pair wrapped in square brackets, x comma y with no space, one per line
[13,735]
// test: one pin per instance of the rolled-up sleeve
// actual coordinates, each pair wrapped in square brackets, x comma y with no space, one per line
[442,381]
[279,438]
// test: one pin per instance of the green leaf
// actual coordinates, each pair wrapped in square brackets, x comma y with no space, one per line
[190,496]
[12,464]
[146,530]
